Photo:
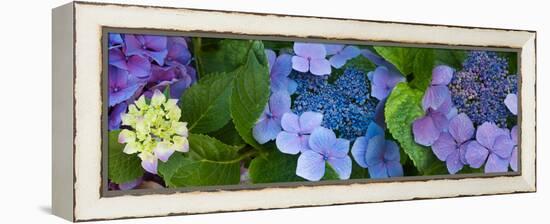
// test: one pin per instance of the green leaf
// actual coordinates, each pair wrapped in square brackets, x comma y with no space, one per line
[453,58]
[423,64]
[417,62]
[403,107]
[209,162]
[250,92]
[278,45]
[358,172]
[205,106]
[401,57]
[215,55]
[228,135]
[122,167]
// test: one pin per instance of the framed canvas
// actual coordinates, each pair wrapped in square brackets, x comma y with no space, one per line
[169,111]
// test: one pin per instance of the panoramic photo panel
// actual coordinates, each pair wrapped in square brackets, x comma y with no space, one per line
[191,111]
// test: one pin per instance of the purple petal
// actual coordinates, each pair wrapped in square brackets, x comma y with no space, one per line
[333,49]
[132,45]
[279,104]
[435,97]
[378,170]
[311,166]
[291,123]
[442,75]
[379,117]
[115,39]
[291,143]
[441,122]
[178,51]
[282,66]
[343,56]
[266,130]
[340,148]
[392,151]
[342,166]
[309,121]
[453,162]
[122,95]
[487,133]
[158,56]
[177,88]
[511,102]
[503,146]
[130,184]
[514,159]
[163,151]
[496,164]
[394,169]
[380,92]
[310,50]
[117,58]
[320,66]
[154,42]
[271,56]
[150,164]
[358,151]
[476,154]
[461,128]
[381,76]
[444,146]
[300,64]
[114,116]
[514,134]
[118,78]
[280,83]
[425,132]
[375,150]
[139,66]
[321,140]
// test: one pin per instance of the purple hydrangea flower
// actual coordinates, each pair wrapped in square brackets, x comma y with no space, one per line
[310,57]
[296,129]
[115,40]
[514,157]
[493,147]
[178,77]
[280,67]
[147,46]
[325,147]
[341,54]
[121,87]
[136,65]
[178,51]
[114,116]
[379,155]
[383,82]
[451,146]
[511,102]
[438,93]
[269,123]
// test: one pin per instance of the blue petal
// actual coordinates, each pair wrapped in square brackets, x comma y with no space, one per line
[342,166]
[311,166]
[374,130]
[394,169]
[266,130]
[378,171]
[375,150]
[358,151]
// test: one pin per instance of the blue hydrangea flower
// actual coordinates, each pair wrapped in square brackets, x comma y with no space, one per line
[340,54]
[279,69]
[346,105]
[493,147]
[296,129]
[451,146]
[269,124]
[325,148]
[480,88]
[310,57]
[383,82]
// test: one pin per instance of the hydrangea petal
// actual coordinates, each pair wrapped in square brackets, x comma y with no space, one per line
[155,42]
[442,75]
[394,169]
[425,132]
[333,49]
[158,56]
[132,45]
[349,52]
[122,95]
[139,66]
[435,96]
[487,133]
[290,123]
[115,116]
[496,164]
[300,64]
[453,162]
[309,121]
[461,128]
[476,154]
[266,130]
[441,122]
[271,56]
[130,184]
[373,130]
[163,151]
[444,146]
[340,148]
[149,162]
[311,166]
[358,151]
[514,134]
[282,66]
[378,171]
[503,146]
[310,50]
[511,102]
[342,166]
[392,151]
[379,116]
[279,104]
[375,150]
[321,139]
[117,58]
[320,66]
[514,160]
[289,143]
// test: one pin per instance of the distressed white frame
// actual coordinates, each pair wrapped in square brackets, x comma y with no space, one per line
[87,202]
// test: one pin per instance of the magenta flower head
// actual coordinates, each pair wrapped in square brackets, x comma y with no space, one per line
[451,146]
[325,148]
[379,155]
[121,86]
[341,54]
[296,130]
[511,102]
[310,57]
[147,46]
[493,147]
[269,124]
[279,69]
[438,92]
[383,81]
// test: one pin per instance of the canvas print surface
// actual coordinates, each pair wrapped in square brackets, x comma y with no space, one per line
[193,111]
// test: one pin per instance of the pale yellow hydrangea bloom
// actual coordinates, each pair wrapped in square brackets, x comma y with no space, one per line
[156,131]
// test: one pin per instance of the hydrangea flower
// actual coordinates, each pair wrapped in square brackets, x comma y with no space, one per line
[383,82]
[325,148]
[310,57]
[379,155]
[511,102]
[121,86]
[346,105]
[115,115]
[341,54]
[480,88]
[156,131]
[451,146]
[147,46]
[514,157]
[437,93]
[493,147]
[280,67]
[178,77]
[135,65]
[296,129]
[115,40]
[269,123]
[177,51]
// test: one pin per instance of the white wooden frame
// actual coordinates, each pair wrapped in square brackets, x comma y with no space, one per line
[77,108]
